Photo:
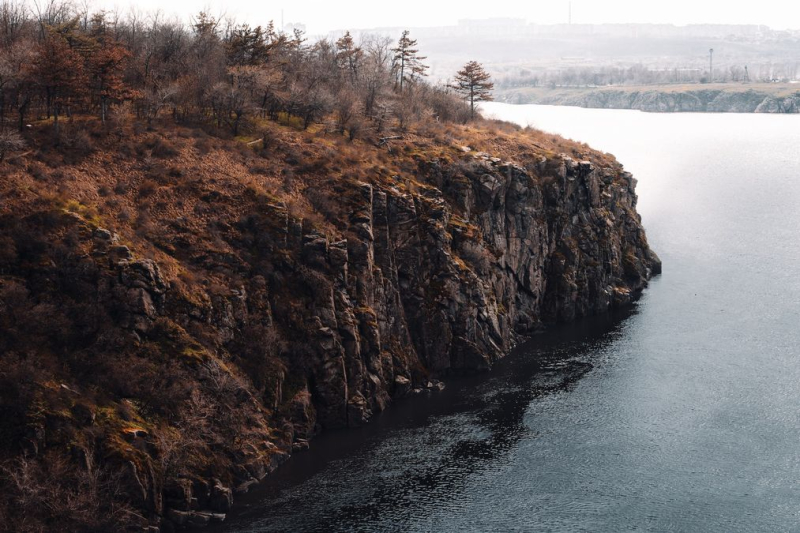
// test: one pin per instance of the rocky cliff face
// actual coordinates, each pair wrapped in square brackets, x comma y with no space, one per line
[417,289]
[197,370]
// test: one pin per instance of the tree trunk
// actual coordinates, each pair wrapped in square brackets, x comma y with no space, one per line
[236,120]
[472,103]
[22,110]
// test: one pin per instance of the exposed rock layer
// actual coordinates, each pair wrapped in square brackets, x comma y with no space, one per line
[196,388]
[666,101]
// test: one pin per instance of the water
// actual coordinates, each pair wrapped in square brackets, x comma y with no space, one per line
[680,414]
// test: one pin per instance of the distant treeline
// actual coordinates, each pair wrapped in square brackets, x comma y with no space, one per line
[57,60]
[641,74]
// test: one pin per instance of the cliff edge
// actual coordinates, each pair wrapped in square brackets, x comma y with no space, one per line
[180,313]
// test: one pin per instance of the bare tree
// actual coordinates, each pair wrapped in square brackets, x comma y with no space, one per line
[10,141]
[374,79]
[407,63]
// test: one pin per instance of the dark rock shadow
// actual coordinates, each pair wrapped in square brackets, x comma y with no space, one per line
[434,444]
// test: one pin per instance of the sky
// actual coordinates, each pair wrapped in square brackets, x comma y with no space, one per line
[323,16]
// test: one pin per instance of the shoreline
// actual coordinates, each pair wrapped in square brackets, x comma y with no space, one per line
[711,98]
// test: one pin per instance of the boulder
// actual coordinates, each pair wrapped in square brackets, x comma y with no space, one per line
[221,497]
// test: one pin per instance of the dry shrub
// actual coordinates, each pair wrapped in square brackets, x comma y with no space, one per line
[259,170]
[121,188]
[147,188]
[158,147]
[203,145]
[119,118]
[10,141]
[165,175]
[476,255]
[144,224]
[38,171]
[42,492]
[75,143]
[326,203]
[269,141]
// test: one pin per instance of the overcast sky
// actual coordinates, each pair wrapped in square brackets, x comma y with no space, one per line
[323,16]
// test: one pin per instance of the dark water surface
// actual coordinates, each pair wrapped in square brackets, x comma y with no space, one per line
[680,414]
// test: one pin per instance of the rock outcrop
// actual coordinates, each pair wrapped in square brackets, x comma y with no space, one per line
[195,385]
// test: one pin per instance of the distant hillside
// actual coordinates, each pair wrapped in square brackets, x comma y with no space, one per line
[721,98]
[514,50]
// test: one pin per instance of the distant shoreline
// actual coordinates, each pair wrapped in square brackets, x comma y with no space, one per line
[705,98]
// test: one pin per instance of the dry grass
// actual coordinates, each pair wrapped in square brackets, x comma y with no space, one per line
[186,200]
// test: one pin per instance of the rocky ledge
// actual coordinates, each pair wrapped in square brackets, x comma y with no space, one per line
[190,374]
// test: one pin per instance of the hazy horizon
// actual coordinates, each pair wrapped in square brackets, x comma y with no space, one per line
[324,17]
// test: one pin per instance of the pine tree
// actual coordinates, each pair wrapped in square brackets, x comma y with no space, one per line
[474,84]
[247,46]
[348,55]
[407,63]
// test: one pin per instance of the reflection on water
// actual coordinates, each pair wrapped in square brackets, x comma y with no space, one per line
[426,449]
[476,436]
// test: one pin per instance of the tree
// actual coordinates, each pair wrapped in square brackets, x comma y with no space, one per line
[407,63]
[348,55]
[59,69]
[14,62]
[232,100]
[474,84]
[247,46]
[106,66]
[374,79]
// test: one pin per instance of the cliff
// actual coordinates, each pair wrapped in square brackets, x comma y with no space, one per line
[719,98]
[181,313]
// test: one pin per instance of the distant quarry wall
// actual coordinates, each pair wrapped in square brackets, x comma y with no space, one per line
[663,101]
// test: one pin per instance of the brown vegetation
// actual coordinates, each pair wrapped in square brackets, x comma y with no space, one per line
[186,201]
[155,344]
[59,61]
